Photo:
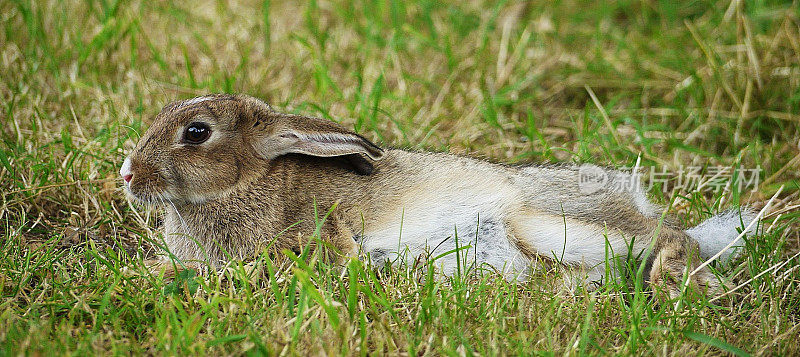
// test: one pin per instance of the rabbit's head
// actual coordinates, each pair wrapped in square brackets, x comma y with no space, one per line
[201,148]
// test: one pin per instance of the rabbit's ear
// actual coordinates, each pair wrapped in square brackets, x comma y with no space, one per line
[316,137]
[326,144]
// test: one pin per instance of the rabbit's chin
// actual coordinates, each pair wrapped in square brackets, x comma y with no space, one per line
[166,198]
[147,199]
[153,198]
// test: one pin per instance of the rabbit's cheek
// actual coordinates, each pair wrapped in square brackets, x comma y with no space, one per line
[204,179]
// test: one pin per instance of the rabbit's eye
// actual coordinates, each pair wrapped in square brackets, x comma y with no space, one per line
[196,133]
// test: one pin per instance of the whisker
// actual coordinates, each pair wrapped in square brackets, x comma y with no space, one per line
[183,222]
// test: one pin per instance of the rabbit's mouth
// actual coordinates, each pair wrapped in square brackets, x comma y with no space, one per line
[148,197]
[148,191]
[157,192]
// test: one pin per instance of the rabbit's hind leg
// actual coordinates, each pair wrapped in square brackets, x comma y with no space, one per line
[675,256]
[674,252]
[583,250]
[587,249]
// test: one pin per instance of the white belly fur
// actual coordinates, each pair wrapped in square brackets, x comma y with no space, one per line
[446,213]
[453,213]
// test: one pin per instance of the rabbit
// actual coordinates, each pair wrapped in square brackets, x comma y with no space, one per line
[235,176]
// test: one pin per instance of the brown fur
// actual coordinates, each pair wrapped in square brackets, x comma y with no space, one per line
[257,183]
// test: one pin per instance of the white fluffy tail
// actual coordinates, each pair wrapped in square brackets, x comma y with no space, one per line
[717,232]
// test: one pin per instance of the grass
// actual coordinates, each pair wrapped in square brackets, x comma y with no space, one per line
[703,83]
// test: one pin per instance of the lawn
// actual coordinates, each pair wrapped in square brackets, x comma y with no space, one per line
[702,94]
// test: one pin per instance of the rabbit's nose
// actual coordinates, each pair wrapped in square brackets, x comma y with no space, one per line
[125,171]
